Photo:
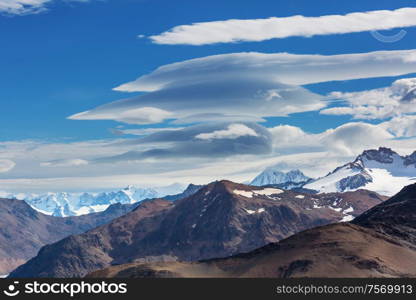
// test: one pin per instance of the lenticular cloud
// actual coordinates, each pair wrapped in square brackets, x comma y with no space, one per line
[242,86]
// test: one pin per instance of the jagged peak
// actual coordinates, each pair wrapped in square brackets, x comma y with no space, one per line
[273,175]
[192,186]
[381,150]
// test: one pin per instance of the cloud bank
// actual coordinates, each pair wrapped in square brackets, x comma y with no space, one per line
[395,100]
[210,141]
[256,30]
[242,86]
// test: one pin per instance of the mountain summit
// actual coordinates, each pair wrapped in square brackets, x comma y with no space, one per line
[273,176]
[383,171]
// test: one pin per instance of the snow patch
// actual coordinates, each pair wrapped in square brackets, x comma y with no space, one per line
[246,194]
[347,218]
[41,210]
[385,183]
[300,197]
[264,192]
[252,212]
[349,210]
[268,192]
[338,209]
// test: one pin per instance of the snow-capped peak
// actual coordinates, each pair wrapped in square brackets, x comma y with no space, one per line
[273,175]
[382,170]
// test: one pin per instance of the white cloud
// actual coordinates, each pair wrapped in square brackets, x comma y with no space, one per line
[231,31]
[232,132]
[395,100]
[353,138]
[6,165]
[347,139]
[65,163]
[25,7]
[21,7]
[142,131]
[140,116]
[401,127]
[286,135]
[242,86]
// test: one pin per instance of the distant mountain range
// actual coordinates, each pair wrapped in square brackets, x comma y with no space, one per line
[23,230]
[219,220]
[75,204]
[383,171]
[379,243]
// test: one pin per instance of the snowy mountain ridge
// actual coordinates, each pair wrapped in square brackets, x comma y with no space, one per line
[64,204]
[273,176]
[383,171]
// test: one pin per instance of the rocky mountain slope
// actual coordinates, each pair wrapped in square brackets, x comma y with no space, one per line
[221,219]
[383,171]
[379,243]
[190,190]
[23,230]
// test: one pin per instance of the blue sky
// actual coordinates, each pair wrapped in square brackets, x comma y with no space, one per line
[67,58]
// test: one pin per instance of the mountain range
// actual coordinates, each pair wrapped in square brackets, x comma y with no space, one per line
[380,170]
[383,171]
[23,230]
[64,204]
[219,220]
[279,220]
[379,243]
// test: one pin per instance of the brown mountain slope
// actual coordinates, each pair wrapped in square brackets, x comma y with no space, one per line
[23,231]
[385,249]
[338,250]
[220,220]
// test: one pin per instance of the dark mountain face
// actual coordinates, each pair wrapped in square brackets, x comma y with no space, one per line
[219,220]
[395,217]
[379,243]
[23,231]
